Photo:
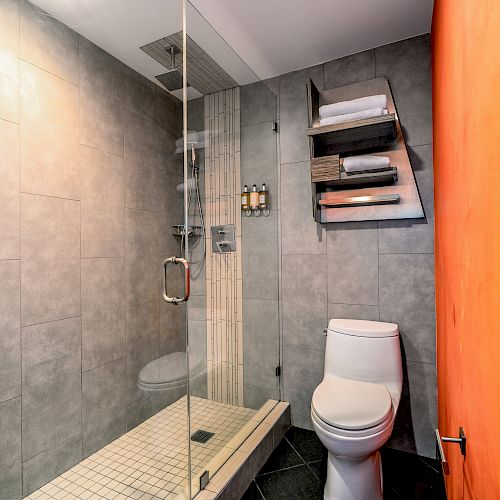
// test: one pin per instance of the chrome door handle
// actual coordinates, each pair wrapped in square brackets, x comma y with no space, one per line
[187,280]
[460,440]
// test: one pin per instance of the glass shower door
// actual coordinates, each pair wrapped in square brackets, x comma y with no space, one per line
[233,309]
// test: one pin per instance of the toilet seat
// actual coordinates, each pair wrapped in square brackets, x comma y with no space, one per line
[169,371]
[351,407]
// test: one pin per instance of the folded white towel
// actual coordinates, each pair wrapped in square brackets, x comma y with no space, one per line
[350,117]
[365,162]
[353,106]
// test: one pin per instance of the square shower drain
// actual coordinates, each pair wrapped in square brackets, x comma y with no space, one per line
[201,436]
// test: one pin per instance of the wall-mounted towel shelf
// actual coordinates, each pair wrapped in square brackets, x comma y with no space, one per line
[352,136]
[339,196]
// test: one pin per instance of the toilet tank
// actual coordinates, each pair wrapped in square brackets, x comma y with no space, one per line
[365,350]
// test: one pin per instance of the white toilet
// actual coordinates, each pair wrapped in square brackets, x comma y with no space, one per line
[354,407]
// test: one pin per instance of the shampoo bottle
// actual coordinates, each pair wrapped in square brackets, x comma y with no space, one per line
[254,201]
[245,201]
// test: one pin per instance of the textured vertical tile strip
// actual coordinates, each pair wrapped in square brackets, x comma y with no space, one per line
[224,276]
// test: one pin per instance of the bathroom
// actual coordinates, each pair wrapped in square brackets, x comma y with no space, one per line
[196,298]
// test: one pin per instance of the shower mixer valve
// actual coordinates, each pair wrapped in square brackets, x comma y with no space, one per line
[223,238]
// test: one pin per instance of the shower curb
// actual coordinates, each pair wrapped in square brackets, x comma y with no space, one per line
[234,477]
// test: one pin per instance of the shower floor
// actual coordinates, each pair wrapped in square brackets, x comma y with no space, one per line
[151,460]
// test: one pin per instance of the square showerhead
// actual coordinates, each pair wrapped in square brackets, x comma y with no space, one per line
[172,79]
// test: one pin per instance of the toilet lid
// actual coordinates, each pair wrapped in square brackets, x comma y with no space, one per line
[351,404]
[169,368]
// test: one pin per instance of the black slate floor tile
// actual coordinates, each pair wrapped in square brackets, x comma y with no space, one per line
[307,444]
[283,456]
[296,483]
[319,470]
[252,493]
[411,476]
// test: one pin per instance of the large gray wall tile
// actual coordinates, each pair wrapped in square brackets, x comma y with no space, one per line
[50,252]
[407,65]
[9,190]
[50,463]
[141,256]
[48,43]
[353,311]
[259,236]
[138,94]
[103,311]
[9,76]
[258,147]
[261,349]
[300,234]
[351,69]
[423,398]
[294,144]
[49,137]
[10,334]
[51,384]
[103,405]
[407,298]
[258,104]
[413,236]
[102,204]
[10,450]
[262,283]
[302,372]
[304,300]
[101,112]
[141,179]
[255,396]
[353,263]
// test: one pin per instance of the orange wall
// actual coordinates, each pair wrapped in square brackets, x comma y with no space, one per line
[466,78]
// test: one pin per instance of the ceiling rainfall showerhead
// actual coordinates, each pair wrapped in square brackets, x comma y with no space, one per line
[204,75]
[172,79]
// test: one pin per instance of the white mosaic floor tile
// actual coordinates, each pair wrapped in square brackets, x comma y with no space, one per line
[151,460]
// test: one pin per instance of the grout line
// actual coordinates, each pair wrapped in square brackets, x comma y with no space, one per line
[281,470]
[49,196]
[49,72]
[51,321]
[259,490]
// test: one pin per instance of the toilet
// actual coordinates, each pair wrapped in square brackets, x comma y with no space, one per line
[168,375]
[354,407]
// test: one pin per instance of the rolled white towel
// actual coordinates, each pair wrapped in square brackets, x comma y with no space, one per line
[353,106]
[193,137]
[350,117]
[362,163]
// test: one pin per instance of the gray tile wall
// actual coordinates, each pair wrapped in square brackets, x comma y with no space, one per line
[368,270]
[86,149]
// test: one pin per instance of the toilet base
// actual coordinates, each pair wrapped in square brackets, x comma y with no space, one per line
[354,480]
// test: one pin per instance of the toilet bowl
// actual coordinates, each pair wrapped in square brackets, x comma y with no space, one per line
[168,375]
[354,407]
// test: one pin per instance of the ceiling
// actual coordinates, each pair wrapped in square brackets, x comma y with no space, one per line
[271,37]
[278,36]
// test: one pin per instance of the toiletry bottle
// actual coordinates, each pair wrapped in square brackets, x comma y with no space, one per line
[245,201]
[254,201]
[264,200]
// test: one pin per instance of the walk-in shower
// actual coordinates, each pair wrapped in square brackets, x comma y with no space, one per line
[137,136]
